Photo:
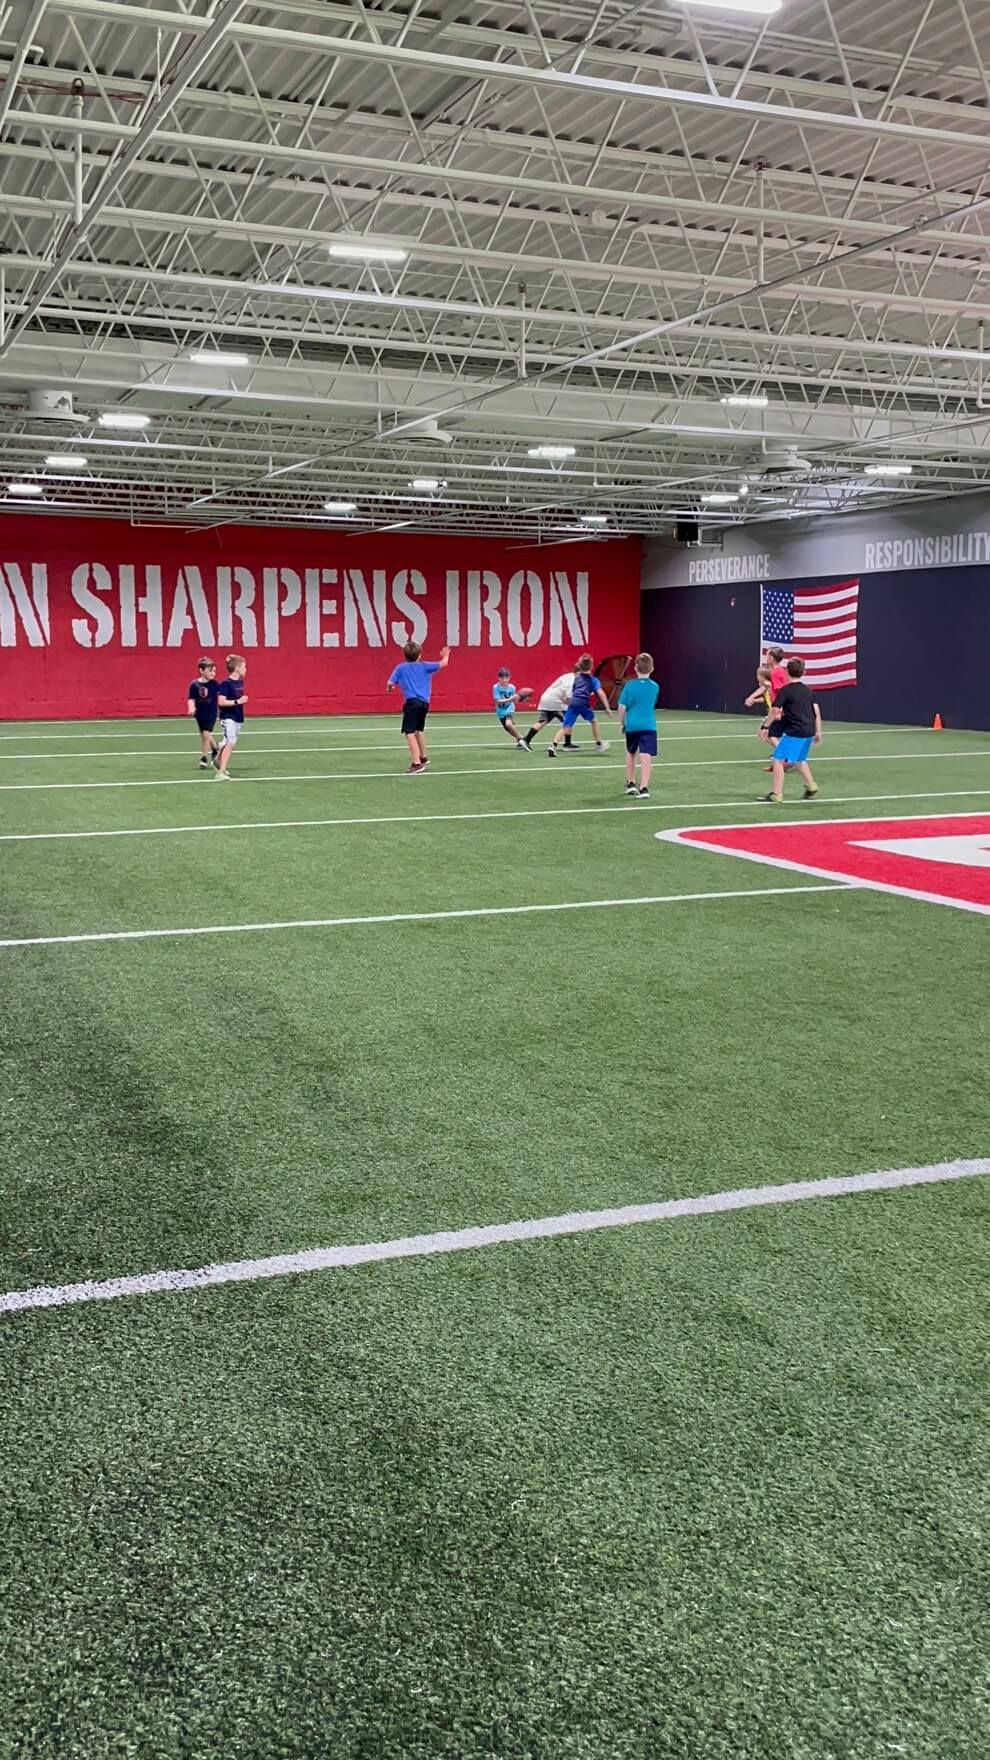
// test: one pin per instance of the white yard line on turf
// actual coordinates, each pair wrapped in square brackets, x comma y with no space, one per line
[502,910]
[177,725]
[497,1234]
[184,746]
[394,746]
[629,807]
[564,767]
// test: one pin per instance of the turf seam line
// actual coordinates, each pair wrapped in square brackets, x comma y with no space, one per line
[489,1235]
[501,910]
[633,808]
[564,767]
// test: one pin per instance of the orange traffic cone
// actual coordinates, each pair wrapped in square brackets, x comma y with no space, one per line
[937,724]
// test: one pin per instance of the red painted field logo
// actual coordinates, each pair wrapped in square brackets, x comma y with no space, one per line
[943,860]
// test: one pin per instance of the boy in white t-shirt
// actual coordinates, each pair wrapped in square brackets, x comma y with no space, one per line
[551,707]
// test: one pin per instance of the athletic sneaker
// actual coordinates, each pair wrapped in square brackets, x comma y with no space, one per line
[521,746]
[569,746]
[415,769]
[644,794]
[601,745]
[630,788]
[204,763]
[775,799]
[551,751]
[810,793]
[223,776]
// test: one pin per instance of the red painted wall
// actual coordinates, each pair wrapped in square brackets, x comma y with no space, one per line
[101,618]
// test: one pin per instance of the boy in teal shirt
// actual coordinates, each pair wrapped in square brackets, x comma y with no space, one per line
[638,721]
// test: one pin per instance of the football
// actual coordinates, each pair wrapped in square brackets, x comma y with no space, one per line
[524,695]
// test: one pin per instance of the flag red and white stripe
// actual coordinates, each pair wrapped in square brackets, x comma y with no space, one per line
[819,624]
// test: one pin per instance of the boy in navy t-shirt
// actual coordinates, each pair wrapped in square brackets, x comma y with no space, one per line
[638,721]
[231,703]
[414,678]
[585,692]
[202,702]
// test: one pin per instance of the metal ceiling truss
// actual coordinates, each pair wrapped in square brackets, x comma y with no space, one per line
[614,216]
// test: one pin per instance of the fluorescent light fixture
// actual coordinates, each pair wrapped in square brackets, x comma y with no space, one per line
[25,489]
[340,508]
[123,418]
[888,470]
[552,451]
[66,461]
[594,519]
[219,357]
[426,485]
[721,497]
[365,250]
[762,8]
[740,400]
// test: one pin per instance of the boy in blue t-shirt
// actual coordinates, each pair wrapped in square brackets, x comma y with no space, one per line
[585,692]
[414,678]
[505,697]
[638,721]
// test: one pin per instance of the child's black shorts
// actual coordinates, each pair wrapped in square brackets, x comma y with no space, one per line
[548,715]
[414,713]
[206,723]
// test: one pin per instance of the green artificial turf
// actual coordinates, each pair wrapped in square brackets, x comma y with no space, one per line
[706,1489]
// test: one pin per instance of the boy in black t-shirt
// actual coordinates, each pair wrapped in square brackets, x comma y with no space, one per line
[231,703]
[799,720]
[202,702]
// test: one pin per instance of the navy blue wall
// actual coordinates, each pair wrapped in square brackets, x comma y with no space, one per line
[924,647]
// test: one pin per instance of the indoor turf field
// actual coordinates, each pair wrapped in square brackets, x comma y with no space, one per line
[710,1488]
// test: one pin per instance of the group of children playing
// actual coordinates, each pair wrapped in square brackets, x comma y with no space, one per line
[791,725]
[571,698]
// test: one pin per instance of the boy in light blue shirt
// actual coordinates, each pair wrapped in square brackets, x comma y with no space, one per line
[505,697]
[638,721]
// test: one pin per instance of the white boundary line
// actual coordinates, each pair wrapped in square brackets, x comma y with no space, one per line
[675,834]
[628,807]
[174,726]
[186,746]
[201,780]
[497,1234]
[502,910]
[460,721]
[565,767]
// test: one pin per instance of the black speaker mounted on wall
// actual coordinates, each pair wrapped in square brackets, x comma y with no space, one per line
[686,531]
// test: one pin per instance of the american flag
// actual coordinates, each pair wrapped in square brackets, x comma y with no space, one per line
[819,623]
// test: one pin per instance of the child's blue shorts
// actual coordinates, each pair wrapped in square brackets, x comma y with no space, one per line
[571,715]
[790,750]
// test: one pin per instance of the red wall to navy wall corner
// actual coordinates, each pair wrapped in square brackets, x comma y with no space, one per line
[99,618]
